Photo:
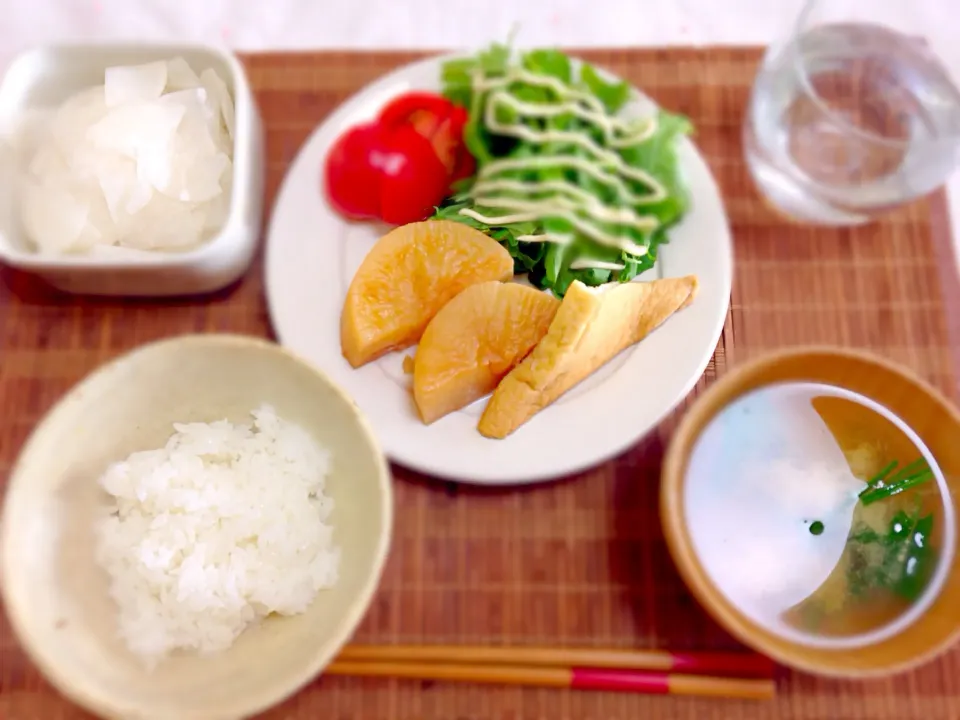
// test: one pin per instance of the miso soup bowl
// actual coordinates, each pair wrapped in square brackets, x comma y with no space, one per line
[921,407]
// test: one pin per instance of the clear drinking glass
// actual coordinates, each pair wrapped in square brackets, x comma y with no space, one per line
[857,110]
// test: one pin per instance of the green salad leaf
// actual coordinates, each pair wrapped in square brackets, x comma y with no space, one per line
[457,75]
[549,62]
[658,157]
[559,163]
[613,95]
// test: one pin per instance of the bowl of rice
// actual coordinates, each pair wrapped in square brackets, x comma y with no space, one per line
[194,530]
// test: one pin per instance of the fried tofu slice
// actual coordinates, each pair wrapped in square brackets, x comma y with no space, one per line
[592,326]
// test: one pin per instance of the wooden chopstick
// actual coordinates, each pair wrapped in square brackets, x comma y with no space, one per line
[746,665]
[638,681]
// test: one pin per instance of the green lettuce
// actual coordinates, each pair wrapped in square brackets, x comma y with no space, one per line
[549,265]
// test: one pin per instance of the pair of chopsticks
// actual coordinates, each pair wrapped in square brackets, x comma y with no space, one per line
[652,672]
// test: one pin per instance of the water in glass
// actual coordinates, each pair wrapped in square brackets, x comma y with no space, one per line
[849,119]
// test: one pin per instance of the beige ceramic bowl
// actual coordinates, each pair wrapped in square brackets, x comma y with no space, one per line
[55,595]
[922,408]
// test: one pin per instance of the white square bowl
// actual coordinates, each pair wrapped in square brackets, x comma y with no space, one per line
[45,77]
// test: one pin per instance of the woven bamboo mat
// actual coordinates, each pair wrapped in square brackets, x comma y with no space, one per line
[581,561]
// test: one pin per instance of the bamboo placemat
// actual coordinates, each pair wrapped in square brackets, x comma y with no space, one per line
[581,561]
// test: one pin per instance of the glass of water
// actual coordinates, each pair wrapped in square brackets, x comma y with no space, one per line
[857,111]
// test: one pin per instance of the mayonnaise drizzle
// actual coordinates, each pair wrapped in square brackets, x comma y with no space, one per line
[568,202]
[540,137]
[563,208]
[519,74]
[580,264]
[527,211]
[501,220]
[516,73]
[548,162]
[631,132]
[556,238]
[604,213]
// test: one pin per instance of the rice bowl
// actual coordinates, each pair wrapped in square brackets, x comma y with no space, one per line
[57,595]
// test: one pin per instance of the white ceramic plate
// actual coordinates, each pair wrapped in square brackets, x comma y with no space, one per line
[312,254]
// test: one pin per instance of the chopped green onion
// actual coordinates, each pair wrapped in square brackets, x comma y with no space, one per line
[902,484]
[877,480]
[816,528]
[882,486]
[909,470]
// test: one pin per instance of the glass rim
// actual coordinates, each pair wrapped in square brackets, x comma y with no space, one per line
[824,107]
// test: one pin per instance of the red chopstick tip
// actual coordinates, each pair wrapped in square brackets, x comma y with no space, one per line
[723,664]
[651,683]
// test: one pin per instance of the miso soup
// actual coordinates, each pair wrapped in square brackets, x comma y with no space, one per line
[819,514]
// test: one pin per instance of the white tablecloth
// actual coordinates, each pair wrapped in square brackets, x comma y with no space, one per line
[381,24]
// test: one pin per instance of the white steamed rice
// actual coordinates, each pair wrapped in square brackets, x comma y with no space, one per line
[221,527]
